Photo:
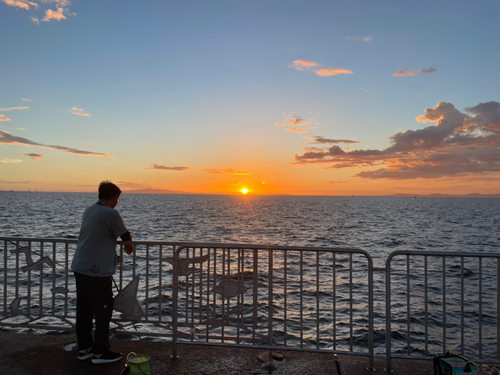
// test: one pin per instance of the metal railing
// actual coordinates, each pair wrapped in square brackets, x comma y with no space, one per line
[275,297]
[443,301]
[38,289]
[293,298]
[228,294]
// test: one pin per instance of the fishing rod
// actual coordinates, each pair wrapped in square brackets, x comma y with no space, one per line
[32,251]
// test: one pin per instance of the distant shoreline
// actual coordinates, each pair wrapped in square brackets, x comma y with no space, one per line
[156,192]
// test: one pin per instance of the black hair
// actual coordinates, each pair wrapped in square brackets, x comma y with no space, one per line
[108,190]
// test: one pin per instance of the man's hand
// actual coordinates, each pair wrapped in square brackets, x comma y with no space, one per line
[129,249]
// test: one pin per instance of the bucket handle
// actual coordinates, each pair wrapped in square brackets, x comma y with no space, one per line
[129,354]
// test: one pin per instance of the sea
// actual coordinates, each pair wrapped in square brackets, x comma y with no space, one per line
[378,225]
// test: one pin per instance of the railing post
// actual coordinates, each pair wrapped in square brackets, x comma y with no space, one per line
[498,308]
[388,313]
[370,313]
[175,296]
[270,303]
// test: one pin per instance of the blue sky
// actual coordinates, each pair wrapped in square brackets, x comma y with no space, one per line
[201,85]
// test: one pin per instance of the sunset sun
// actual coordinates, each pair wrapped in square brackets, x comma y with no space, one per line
[244,191]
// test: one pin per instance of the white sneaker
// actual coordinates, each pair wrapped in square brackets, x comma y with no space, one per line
[106,357]
[85,354]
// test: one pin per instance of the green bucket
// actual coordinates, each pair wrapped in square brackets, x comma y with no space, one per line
[138,363]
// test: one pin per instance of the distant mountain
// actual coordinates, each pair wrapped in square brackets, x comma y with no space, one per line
[439,195]
[154,191]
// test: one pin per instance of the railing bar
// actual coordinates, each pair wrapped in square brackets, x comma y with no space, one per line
[228,300]
[317,301]
[134,257]
[334,311]
[223,298]
[351,343]
[54,278]
[498,307]
[480,308]
[147,280]
[301,299]
[255,291]
[193,303]
[186,289]
[5,275]
[215,283]
[462,303]
[160,286]
[208,292]
[444,304]
[239,296]
[285,285]
[17,269]
[200,293]
[40,288]
[270,301]
[175,297]
[426,315]
[66,278]
[29,288]
[370,313]
[388,339]
[121,267]
[408,305]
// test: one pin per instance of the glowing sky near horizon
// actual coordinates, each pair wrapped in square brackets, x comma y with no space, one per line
[277,97]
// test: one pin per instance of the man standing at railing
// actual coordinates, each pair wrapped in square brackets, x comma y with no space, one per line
[94,265]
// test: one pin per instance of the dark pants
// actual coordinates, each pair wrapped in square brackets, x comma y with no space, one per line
[94,298]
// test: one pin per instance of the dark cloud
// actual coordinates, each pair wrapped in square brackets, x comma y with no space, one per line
[320,139]
[34,156]
[7,138]
[426,71]
[225,171]
[164,168]
[457,144]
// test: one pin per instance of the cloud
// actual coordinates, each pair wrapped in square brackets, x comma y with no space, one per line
[311,65]
[296,124]
[426,71]
[23,129]
[34,156]
[164,168]
[88,144]
[333,72]
[10,161]
[3,118]
[405,73]
[79,112]
[15,182]
[303,64]
[225,171]
[26,100]
[7,138]
[300,130]
[320,139]
[366,39]
[412,73]
[54,15]
[457,145]
[23,4]
[13,109]
[61,12]
[61,3]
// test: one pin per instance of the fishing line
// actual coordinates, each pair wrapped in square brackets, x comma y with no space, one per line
[33,252]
